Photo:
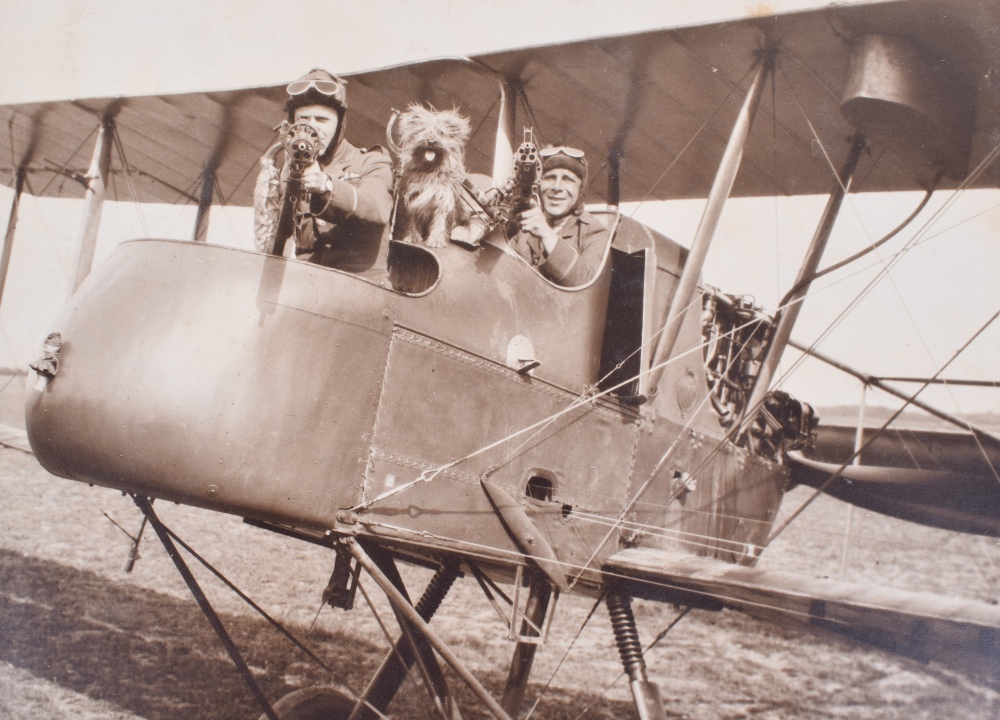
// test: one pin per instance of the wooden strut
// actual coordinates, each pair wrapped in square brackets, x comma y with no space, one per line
[8,241]
[410,648]
[206,607]
[722,185]
[787,315]
[503,150]
[872,381]
[200,232]
[403,606]
[524,652]
[97,185]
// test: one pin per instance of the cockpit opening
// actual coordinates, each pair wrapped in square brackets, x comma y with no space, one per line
[413,269]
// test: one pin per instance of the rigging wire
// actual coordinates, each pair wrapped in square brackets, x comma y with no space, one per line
[244,597]
[128,178]
[238,185]
[587,398]
[62,171]
[786,300]
[662,634]
[836,474]
[948,229]
[861,295]
[569,648]
[492,552]
[886,267]
[482,120]
[42,218]
[691,140]
[991,156]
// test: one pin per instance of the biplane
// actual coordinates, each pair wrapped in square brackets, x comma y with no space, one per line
[626,438]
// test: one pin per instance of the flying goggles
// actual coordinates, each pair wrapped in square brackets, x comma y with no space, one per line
[572,152]
[330,88]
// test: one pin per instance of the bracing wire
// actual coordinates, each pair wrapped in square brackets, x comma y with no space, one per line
[388,637]
[491,551]
[128,177]
[662,634]
[61,171]
[691,140]
[569,648]
[786,300]
[885,268]
[829,481]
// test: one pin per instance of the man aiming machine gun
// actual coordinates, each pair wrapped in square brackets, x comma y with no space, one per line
[334,198]
[302,145]
[547,224]
[521,191]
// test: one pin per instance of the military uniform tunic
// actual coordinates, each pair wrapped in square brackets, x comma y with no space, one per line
[346,228]
[577,255]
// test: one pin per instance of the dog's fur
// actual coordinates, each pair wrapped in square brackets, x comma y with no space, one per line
[432,166]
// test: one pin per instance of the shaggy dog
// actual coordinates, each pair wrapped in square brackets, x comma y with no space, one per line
[432,167]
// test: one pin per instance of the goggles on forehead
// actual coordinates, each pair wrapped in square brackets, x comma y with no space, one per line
[324,87]
[572,152]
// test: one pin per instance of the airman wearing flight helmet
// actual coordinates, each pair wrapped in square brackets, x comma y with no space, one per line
[342,222]
[560,238]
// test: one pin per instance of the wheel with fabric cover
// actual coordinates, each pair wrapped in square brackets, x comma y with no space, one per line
[314,703]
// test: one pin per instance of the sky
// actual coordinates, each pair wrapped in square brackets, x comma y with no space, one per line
[930,303]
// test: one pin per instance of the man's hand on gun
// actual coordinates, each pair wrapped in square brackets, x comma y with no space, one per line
[314,180]
[521,193]
[533,221]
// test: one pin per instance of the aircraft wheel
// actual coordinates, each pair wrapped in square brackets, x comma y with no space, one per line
[315,703]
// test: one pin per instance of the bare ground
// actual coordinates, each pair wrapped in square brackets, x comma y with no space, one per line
[80,638]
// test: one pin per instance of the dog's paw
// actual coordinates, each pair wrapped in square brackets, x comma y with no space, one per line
[436,241]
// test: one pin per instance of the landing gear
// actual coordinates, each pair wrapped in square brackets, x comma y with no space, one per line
[419,645]
[317,703]
[646,694]
[524,652]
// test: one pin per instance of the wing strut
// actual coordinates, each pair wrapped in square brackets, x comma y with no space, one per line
[97,185]
[725,176]
[810,263]
[503,151]
[204,204]
[8,240]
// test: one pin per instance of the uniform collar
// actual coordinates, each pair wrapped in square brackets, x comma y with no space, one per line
[567,226]
[344,155]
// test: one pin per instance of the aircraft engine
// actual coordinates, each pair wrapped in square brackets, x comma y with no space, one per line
[736,334]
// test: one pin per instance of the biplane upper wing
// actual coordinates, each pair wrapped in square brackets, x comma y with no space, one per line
[638,99]
[962,634]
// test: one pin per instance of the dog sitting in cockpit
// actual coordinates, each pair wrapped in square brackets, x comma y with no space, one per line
[431,151]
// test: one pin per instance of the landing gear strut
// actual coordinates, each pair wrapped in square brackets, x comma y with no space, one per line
[646,694]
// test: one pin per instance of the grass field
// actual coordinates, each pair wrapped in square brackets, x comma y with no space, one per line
[80,638]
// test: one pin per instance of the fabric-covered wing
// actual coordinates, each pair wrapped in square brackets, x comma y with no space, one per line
[640,98]
[962,634]
[943,479]
[644,97]
[169,141]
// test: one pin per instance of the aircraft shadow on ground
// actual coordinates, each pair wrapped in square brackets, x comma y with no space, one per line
[157,657]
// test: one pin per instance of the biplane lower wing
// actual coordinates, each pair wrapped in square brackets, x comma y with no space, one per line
[942,479]
[962,634]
